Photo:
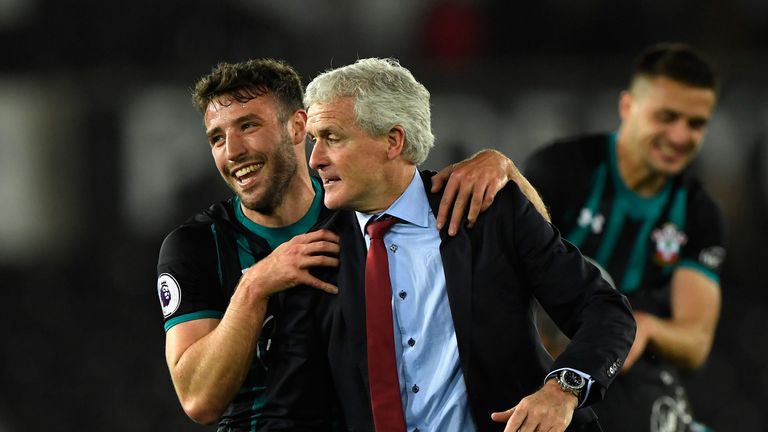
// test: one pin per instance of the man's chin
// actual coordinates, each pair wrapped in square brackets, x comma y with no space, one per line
[671,169]
[261,204]
[335,202]
[333,205]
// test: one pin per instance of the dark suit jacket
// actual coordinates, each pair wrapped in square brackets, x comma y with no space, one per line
[493,273]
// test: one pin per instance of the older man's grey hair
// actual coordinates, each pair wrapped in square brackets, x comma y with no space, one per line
[386,94]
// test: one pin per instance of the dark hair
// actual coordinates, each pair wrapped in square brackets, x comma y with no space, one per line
[248,80]
[678,62]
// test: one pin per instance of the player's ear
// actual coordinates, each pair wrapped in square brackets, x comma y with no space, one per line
[626,98]
[297,126]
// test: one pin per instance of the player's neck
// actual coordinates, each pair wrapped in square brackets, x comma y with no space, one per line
[298,199]
[636,174]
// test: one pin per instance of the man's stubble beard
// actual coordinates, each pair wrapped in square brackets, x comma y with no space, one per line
[284,166]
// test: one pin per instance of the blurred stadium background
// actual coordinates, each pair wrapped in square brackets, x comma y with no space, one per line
[102,154]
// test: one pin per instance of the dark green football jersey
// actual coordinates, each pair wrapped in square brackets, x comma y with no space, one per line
[639,242]
[199,266]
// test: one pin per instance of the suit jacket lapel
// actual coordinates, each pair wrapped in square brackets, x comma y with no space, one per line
[457,266]
[351,284]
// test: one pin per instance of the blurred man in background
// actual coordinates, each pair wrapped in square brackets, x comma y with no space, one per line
[628,200]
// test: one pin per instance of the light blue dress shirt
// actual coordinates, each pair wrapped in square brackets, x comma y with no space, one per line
[431,382]
[432,385]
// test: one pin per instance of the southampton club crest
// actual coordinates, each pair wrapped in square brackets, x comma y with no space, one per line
[668,241]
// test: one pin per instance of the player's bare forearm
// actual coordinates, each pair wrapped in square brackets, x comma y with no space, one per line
[209,371]
[686,344]
[530,192]
[686,338]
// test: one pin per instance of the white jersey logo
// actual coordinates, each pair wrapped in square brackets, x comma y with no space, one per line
[169,293]
[594,221]
[712,257]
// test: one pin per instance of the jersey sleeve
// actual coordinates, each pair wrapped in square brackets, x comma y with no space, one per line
[188,284]
[541,170]
[560,172]
[705,246]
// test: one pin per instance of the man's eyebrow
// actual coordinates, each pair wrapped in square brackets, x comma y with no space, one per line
[240,120]
[246,117]
[211,132]
[699,120]
[325,131]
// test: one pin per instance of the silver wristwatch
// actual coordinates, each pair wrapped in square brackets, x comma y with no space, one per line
[571,382]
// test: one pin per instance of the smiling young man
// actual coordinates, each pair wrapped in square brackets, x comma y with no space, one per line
[627,200]
[219,272]
[463,351]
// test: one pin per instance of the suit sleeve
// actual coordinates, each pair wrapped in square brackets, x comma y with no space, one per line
[596,317]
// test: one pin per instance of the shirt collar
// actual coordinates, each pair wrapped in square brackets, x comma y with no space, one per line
[412,206]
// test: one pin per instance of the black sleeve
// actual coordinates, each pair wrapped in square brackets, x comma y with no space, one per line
[705,246]
[562,173]
[300,395]
[188,283]
[540,169]
[548,169]
[596,317]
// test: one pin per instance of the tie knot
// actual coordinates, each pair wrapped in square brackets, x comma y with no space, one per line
[376,229]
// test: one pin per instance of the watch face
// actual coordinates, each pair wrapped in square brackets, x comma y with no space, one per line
[572,379]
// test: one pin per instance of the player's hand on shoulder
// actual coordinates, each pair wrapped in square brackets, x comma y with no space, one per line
[472,182]
[289,264]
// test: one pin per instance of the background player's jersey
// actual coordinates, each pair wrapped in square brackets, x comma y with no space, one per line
[199,266]
[638,240]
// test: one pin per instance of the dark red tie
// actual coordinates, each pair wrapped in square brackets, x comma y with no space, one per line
[382,367]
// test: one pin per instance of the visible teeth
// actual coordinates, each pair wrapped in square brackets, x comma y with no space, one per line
[669,151]
[249,169]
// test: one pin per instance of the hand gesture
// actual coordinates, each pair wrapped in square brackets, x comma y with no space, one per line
[550,409]
[475,181]
[288,265]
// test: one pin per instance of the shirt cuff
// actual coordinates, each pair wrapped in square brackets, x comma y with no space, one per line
[584,393]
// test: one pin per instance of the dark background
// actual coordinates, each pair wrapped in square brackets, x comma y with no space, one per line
[102,154]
